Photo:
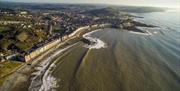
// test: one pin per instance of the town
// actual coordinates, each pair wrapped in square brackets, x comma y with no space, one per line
[95,45]
[24,31]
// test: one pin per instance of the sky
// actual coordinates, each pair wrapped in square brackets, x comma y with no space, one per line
[157,3]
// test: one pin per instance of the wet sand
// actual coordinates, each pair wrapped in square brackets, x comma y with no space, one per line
[120,66]
[130,62]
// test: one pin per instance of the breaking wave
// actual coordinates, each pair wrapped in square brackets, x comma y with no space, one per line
[95,42]
[42,79]
[146,33]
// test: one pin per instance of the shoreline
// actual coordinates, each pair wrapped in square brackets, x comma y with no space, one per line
[43,72]
[76,34]
[94,43]
[25,72]
[28,69]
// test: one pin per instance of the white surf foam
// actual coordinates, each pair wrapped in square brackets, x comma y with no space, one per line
[146,33]
[47,82]
[96,43]
[155,32]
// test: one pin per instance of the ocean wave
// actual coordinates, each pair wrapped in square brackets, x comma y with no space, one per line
[146,33]
[42,79]
[140,33]
[96,43]
[49,82]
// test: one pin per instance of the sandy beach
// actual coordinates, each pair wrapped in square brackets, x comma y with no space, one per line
[22,78]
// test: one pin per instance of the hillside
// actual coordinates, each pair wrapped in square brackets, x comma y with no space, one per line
[103,11]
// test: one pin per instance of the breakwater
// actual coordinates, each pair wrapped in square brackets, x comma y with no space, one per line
[52,44]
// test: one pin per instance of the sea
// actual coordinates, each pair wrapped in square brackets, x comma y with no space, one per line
[119,60]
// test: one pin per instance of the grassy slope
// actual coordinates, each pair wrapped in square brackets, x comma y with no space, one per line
[7,68]
[24,39]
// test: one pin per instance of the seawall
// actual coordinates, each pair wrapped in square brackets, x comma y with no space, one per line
[52,44]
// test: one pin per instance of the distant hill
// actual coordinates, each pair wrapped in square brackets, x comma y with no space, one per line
[48,6]
[140,9]
[103,11]
[98,8]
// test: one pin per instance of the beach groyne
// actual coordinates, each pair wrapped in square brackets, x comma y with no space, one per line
[52,44]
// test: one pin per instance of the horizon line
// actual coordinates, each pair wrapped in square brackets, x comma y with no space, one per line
[32,2]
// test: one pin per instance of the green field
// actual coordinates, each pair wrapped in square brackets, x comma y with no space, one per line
[6,68]
[4,29]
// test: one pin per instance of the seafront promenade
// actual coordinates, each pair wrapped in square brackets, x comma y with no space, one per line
[77,33]
[36,57]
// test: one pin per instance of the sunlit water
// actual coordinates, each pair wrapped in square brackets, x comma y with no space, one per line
[130,62]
